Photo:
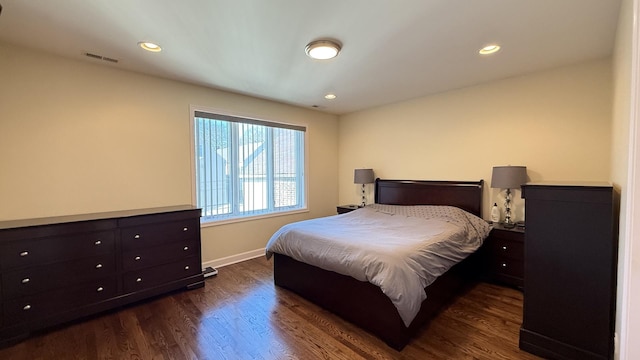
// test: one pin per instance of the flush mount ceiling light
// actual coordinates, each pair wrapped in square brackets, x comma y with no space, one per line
[489,49]
[323,49]
[149,46]
[330,96]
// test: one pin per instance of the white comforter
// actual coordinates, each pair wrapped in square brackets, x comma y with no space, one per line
[401,249]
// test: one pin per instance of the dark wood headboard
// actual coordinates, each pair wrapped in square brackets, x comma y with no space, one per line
[466,195]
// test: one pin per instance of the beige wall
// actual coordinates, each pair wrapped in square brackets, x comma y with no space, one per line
[555,122]
[79,138]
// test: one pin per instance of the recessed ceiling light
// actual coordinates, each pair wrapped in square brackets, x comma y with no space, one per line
[489,49]
[323,49]
[330,96]
[149,46]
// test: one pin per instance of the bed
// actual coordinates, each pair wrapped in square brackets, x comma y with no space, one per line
[364,303]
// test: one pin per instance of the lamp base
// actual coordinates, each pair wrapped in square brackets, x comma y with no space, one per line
[508,225]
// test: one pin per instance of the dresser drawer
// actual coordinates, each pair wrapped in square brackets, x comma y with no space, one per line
[157,255]
[162,233]
[513,235]
[35,307]
[150,277]
[505,248]
[48,250]
[506,266]
[47,277]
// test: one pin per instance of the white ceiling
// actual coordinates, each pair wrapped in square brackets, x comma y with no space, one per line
[393,50]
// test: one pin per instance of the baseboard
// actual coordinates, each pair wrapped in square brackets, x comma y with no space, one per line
[218,263]
[549,348]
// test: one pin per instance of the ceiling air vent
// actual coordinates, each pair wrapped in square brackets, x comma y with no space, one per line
[100,57]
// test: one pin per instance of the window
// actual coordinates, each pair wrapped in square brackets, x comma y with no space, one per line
[247,167]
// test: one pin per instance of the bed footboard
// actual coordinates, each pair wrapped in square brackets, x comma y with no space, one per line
[363,303]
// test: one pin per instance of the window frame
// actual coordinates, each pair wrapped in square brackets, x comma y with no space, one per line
[256,120]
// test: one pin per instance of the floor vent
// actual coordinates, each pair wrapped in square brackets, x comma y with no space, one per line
[209,271]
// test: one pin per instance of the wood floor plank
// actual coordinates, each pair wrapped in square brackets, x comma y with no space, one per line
[240,314]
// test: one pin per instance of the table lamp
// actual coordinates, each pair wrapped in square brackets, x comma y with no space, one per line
[363,176]
[508,177]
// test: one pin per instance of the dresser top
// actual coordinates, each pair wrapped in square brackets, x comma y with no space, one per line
[570,183]
[500,226]
[11,224]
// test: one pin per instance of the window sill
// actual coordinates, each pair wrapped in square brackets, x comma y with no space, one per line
[252,218]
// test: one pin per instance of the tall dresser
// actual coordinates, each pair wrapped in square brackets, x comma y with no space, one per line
[569,271]
[58,269]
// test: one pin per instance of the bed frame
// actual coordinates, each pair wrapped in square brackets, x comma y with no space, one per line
[363,303]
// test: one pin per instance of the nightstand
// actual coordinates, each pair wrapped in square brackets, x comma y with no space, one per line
[503,255]
[346,208]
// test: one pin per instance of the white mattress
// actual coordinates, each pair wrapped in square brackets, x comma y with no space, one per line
[401,249]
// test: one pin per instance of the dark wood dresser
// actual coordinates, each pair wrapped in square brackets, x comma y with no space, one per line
[570,266]
[503,255]
[58,269]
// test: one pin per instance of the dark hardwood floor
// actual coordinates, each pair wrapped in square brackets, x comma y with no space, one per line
[240,314]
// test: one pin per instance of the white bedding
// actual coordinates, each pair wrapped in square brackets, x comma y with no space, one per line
[401,249]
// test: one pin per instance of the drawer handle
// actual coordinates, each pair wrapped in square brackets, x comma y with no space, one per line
[185,248]
[24,253]
[185,228]
[186,267]
[139,280]
[98,242]
[504,248]
[99,266]
[26,307]
[137,236]
[25,280]
[137,258]
[100,289]
[504,265]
